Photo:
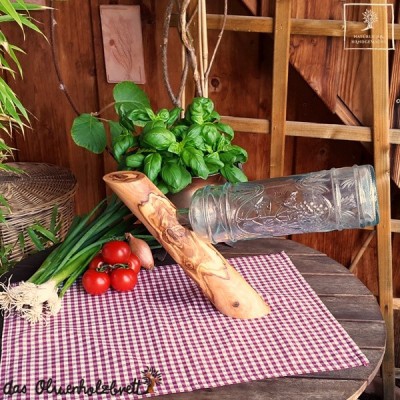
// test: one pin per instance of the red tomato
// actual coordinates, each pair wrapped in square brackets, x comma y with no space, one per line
[123,279]
[116,252]
[134,263]
[97,262]
[95,282]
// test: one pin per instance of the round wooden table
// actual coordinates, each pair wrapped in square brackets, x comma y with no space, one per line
[350,302]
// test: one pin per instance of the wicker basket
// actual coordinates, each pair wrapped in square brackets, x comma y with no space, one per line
[32,196]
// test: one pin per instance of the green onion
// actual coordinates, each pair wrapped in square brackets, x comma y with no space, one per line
[41,294]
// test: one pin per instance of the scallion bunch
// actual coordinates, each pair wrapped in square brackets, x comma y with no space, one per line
[42,293]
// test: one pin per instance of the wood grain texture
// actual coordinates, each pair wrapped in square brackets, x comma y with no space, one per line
[49,140]
[219,281]
[394,110]
[280,73]
[310,129]
[300,26]
[315,56]
[380,96]
[122,43]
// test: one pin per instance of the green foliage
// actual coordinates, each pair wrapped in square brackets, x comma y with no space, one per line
[169,148]
[13,114]
[40,236]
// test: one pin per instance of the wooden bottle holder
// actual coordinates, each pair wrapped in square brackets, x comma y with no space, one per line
[219,281]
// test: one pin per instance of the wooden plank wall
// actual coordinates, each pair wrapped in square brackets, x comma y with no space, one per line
[240,85]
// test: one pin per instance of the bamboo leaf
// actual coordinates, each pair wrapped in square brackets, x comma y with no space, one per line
[41,230]
[35,239]
[53,220]
[7,7]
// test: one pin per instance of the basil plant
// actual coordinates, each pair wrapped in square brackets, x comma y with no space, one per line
[169,146]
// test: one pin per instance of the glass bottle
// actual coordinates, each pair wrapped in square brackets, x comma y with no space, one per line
[336,199]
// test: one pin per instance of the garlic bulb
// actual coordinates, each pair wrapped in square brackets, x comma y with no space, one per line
[142,250]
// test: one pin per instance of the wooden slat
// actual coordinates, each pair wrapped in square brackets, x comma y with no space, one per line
[395,225]
[310,129]
[366,334]
[380,96]
[334,28]
[279,86]
[394,109]
[337,284]
[279,389]
[343,309]
[374,357]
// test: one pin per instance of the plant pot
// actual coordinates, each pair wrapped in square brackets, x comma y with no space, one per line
[182,199]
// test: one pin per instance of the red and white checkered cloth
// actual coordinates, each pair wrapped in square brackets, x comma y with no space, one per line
[167,324]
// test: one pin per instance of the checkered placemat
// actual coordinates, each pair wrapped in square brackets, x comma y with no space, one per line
[165,337]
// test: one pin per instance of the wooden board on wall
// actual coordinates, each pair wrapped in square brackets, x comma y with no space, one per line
[122,43]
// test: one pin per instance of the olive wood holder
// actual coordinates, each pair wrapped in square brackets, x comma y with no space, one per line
[218,280]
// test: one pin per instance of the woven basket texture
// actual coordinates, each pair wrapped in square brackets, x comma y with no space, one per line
[32,196]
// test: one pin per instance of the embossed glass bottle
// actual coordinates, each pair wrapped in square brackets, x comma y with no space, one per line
[336,199]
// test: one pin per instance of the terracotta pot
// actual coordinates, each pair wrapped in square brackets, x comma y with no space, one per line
[182,199]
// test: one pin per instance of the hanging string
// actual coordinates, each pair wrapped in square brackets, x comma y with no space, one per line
[62,86]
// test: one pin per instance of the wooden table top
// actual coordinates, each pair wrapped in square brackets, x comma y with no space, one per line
[346,297]
[350,302]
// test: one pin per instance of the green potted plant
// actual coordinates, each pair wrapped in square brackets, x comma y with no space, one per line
[170,146]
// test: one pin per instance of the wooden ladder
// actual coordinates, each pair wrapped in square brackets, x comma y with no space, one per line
[282,26]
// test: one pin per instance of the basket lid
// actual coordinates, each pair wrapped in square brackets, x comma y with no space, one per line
[38,187]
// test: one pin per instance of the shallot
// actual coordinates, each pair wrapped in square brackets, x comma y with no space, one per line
[142,250]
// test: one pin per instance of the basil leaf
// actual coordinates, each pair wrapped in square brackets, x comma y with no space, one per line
[115,129]
[130,95]
[213,162]
[233,174]
[162,186]
[193,158]
[163,115]
[193,138]
[200,110]
[152,166]
[88,132]
[214,117]
[173,115]
[226,129]
[150,113]
[210,134]
[179,130]
[223,144]
[157,138]
[153,124]
[138,117]
[122,143]
[135,161]
[175,176]
[175,148]
[235,154]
